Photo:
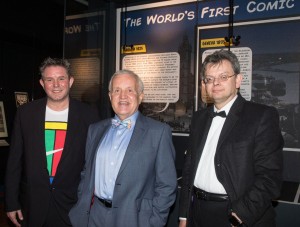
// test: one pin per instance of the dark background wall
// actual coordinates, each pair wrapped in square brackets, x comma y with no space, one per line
[30,31]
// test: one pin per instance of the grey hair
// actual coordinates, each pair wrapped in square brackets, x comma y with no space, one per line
[55,62]
[130,73]
[217,57]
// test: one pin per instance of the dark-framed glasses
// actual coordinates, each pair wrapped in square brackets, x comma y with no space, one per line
[222,78]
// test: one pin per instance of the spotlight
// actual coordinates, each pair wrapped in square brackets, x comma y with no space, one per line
[227,41]
[236,40]
[232,40]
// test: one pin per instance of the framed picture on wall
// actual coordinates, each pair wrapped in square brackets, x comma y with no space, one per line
[21,98]
[3,128]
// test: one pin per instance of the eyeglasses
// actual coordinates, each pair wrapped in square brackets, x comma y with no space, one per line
[222,78]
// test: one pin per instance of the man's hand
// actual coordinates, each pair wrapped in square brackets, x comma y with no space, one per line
[14,216]
[237,218]
[182,223]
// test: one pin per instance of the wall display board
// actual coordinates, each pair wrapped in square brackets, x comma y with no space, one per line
[166,42]
[84,47]
[270,68]
[160,43]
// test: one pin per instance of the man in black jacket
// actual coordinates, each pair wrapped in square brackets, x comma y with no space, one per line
[47,152]
[233,166]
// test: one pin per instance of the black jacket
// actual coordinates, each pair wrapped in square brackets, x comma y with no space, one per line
[248,160]
[27,184]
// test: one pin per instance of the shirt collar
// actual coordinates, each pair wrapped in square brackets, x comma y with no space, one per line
[132,118]
[227,107]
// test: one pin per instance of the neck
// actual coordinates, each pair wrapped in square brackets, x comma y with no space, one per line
[220,105]
[58,106]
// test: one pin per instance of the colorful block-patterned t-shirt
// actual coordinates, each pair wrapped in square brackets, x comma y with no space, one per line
[55,134]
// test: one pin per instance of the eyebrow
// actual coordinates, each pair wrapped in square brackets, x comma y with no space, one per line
[219,74]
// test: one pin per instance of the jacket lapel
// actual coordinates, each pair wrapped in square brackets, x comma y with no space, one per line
[39,131]
[231,119]
[200,136]
[73,119]
[99,136]
[135,141]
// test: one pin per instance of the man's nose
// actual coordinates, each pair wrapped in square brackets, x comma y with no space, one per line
[123,94]
[216,81]
[55,83]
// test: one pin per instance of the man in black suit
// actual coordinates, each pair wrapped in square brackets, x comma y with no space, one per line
[233,165]
[47,152]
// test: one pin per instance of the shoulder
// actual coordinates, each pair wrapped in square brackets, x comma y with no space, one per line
[77,103]
[202,113]
[258,108]
[31,106]
[84,110]
[251,110]
[100,124]
[255,113]
[152,123]
[154,127]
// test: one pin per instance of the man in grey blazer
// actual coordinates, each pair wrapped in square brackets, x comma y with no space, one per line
[129,178]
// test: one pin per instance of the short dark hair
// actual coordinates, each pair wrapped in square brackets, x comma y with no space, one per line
[217,57]
[55,62]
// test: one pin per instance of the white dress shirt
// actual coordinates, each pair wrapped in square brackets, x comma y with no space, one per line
[110,156]
[206,178]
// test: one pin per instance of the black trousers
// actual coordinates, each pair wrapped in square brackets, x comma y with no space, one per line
[53,218]
[209,213]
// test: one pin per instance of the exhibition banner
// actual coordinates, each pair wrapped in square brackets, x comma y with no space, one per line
[166,42]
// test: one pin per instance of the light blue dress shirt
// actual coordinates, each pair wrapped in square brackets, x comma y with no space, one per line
[109,157]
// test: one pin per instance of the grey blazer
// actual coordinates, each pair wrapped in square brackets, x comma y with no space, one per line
[146,183]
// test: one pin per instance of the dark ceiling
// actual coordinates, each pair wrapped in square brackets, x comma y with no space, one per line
[100,3]
[43,18]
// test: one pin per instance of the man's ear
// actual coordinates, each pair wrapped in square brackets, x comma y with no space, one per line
[141,96]
[238,80]
[42,83]
[71,81]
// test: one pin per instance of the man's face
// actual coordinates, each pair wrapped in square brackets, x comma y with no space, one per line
[124,96]
[56,83]
[222,91]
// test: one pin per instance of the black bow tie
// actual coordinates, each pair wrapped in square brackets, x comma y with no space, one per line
[220,114]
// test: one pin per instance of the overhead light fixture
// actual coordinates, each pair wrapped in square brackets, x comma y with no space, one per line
[232,40]
[83,2]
